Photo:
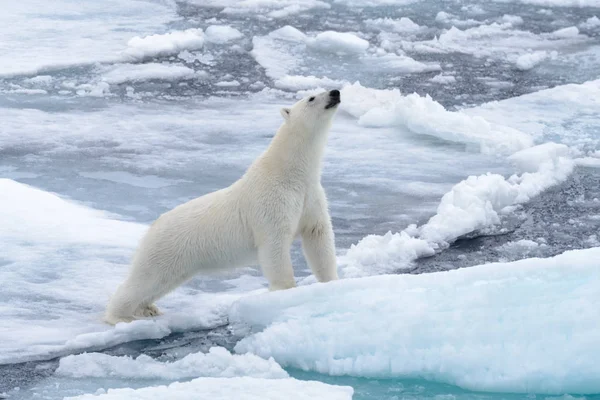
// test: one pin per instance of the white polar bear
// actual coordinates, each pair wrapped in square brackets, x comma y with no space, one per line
[279,198]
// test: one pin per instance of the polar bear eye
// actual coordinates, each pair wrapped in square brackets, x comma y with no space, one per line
[312,98]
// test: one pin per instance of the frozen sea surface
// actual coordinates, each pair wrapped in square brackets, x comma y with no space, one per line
[467,135]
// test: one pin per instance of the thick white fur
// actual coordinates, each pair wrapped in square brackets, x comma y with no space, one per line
[255,219]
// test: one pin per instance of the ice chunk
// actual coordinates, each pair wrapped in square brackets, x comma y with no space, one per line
[443,79]
[270,8]
[272,52]
[139,48]
[242,388]
[450,19]
[402,25]
[566,114]
[338,43]
[218,363]
[591,23]
[220,34]
[529,160]
[528,326]
[122,73]
[287,51]
[499,41]
[423,115]
[569,32]
[528,61]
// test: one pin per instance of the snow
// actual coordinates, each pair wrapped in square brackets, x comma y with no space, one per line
[243,388]
[338,43]
[221,34]
[121,73]
[140,48]
[217,363]
[523,327]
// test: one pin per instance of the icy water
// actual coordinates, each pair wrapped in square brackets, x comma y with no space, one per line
[467,135]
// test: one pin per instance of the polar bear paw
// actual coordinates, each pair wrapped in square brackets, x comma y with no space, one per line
[150,311]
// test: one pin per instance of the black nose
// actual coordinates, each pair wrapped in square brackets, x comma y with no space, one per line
[335,93]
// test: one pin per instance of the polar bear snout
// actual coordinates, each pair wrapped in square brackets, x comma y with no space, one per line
[334,99]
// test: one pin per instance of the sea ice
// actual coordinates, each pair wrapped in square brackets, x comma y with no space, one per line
[221,34]
[402,25]
[242,388]
[90,32]
[528,61]
[140,48]
[528,326]
[121,73]
[218,363]
[338,43]
[423,115]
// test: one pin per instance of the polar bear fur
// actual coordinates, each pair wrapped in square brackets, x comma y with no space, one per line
[279,198]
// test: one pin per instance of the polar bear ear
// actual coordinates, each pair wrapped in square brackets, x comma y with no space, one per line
[285,113]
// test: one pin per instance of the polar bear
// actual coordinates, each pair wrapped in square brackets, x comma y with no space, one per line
[279,198]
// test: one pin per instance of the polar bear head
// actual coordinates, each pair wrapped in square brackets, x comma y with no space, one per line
[313,113]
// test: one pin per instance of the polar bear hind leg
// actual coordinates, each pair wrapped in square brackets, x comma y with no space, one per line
[135,297]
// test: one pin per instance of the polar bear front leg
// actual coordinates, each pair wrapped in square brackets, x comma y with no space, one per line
[318,244]
[276,263]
